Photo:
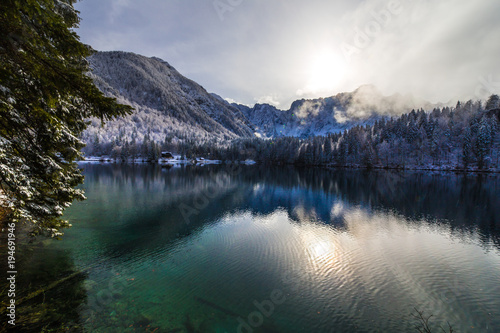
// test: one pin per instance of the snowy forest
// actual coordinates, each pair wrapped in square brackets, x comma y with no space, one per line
[463,137]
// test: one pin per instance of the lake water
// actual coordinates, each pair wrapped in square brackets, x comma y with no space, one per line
[269,249]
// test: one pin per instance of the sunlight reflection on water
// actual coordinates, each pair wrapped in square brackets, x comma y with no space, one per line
[348,254]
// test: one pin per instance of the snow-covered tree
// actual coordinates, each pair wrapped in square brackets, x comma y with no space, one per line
[484,140]
[466,136]
[45,99]
[493,102]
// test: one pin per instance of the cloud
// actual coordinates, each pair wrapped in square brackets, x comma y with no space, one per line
[269,99]
[438,49]
[434,49]
[308,108]
[367,100]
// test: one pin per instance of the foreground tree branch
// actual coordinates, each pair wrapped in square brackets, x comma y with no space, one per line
[45,99]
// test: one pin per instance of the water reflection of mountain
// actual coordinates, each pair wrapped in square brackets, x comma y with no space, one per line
[465,202]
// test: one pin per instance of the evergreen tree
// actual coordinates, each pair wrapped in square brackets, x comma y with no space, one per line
[467,145]
[328,151]
[125,153]
[133,149]
[45,98]
[493,102]
[484,139]
[96,147]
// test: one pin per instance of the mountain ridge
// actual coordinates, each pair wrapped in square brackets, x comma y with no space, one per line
[153,84]
[321,116]
[170,107]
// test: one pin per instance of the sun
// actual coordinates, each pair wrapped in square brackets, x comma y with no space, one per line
[325,71]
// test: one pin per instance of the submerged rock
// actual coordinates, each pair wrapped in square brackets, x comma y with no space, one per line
[89,285]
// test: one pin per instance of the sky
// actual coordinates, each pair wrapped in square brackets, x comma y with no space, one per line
[278,51]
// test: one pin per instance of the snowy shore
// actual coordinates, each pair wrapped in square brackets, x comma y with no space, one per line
[165,161]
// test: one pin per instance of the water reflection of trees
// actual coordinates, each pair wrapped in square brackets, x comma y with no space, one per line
[465,202]
[136,207]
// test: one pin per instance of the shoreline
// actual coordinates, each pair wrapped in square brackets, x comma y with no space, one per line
[175,162]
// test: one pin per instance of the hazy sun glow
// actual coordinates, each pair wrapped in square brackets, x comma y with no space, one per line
[325,71]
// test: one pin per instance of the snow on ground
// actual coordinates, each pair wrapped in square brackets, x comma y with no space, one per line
[174,161]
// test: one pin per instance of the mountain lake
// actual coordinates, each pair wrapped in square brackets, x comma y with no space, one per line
[229,248]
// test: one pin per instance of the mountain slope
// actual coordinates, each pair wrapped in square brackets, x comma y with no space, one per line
[166,103]
[171,109]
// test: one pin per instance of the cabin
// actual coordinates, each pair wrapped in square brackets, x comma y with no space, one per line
[166,154]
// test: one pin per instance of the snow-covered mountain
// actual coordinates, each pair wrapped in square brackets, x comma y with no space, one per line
[171,108]
[166,103]
[329,115]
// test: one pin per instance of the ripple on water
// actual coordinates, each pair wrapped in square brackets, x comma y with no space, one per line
[366,273]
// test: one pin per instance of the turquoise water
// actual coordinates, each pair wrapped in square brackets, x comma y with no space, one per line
[261,249]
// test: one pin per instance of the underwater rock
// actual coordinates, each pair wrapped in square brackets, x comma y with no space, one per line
[89,284]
